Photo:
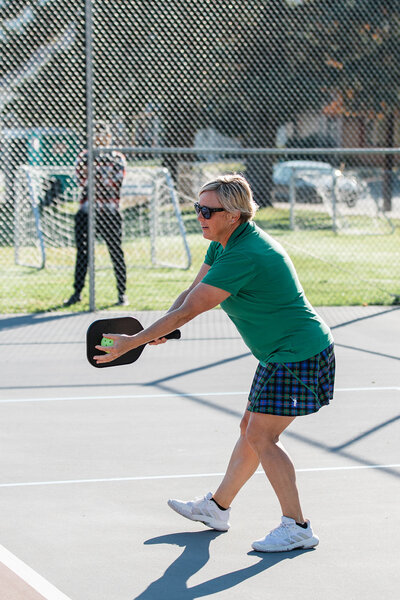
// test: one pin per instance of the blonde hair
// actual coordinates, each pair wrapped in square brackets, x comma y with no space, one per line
[234,194]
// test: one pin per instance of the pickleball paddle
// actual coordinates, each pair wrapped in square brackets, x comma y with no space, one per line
[126,325]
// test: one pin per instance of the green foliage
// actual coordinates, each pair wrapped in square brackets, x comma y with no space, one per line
[354,46]
[42,68]
[241,67]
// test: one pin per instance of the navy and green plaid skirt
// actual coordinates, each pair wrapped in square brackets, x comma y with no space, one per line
[294,389]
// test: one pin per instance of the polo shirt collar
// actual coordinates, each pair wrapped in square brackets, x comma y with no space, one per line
[243,229]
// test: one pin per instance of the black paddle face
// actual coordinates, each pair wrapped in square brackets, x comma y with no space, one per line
[126,325]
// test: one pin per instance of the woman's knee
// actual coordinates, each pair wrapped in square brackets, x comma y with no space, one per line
[260,438]
[244,423]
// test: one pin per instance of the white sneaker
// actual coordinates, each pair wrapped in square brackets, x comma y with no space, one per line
[203,510]
[287,536]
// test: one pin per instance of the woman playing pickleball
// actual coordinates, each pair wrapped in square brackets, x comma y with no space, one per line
[251,276]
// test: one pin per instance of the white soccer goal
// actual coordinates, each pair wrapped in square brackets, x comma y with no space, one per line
[46,200]
[322,197]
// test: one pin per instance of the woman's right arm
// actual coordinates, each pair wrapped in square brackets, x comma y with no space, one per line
[201,298]
[182,297]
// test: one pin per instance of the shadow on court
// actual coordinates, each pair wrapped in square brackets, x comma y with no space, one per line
[173,583]
[364,318]
[339,449]
[373,352]
[39,318]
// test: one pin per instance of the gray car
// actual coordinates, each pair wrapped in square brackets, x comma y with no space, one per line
[313,182]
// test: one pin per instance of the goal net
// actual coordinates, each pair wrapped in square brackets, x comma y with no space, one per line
[47,198]
[322,197]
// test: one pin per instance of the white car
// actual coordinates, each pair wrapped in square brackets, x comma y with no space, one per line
[313,180]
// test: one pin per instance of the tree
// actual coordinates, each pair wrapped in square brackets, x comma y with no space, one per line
[354,45]
[274,88]
[42,69]
[228,65]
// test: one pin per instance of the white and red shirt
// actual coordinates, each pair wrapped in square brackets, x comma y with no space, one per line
[109,173]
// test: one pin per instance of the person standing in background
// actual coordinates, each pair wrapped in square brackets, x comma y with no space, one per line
[109,173]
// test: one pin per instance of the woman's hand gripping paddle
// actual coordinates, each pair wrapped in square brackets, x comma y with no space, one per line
[121,325]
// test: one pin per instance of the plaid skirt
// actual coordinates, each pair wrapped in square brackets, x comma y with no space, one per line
[294,389]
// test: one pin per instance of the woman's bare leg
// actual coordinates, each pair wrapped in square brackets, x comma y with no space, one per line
[243,463]
[262,434]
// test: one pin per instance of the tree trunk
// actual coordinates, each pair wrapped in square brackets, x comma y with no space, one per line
[259,166]
[179,131]
[259,175]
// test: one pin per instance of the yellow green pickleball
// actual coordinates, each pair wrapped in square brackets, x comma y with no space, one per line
[106,342]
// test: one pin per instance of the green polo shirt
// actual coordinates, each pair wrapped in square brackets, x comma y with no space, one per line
[267,302]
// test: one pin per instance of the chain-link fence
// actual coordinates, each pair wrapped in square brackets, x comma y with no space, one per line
[303,98]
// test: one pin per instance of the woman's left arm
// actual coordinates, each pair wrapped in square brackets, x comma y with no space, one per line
[202,298]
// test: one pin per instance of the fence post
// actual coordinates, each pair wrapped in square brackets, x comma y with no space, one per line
[90,153]
[334,202]
[292,198]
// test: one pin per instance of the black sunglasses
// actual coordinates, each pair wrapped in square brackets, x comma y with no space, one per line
[205,210]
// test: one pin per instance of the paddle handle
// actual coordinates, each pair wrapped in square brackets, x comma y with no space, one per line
[174,335]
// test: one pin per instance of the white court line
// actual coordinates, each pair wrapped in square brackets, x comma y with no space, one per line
[184,476]
[173,395]
[29,576]
[121,397]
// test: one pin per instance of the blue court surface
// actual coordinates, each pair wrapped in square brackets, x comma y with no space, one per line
[89,458]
